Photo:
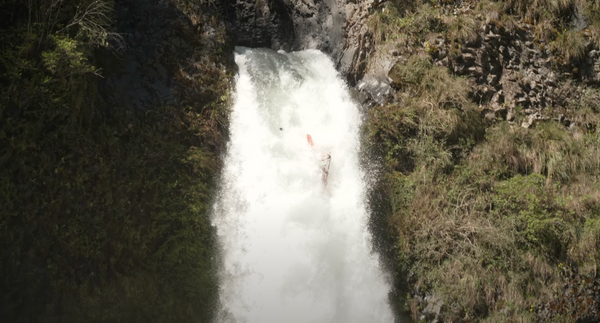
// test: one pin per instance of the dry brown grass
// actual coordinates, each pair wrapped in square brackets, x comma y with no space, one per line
[491,10]
[434,105]
[487,242]
[534,11]
[549,149]
[483,224]
[570,45]
[463,29]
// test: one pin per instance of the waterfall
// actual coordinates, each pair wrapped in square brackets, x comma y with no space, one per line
[296,247]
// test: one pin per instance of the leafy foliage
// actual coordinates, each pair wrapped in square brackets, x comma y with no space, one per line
[66,59]
[104,210]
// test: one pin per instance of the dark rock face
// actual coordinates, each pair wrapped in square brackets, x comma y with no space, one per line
[358,43]
[160,39]
[510,70]
[261,23]
[512,73]
[139,79]
[288,25]
[336,27]
[579,299]
[166,47]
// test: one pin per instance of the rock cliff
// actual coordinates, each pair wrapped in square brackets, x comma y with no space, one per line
[336,27]
[486,113]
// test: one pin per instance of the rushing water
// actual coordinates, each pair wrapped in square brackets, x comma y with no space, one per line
[295,249]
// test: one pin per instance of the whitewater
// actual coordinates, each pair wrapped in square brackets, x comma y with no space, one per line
[295,248]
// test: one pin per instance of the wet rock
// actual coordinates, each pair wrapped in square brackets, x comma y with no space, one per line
[289,25]
[489,115]
[434,309]
[262,23]
[357,41]
[163,92]
[379,89]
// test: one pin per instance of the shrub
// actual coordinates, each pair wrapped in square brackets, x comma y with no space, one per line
[66,58]
[527,199]
[434,122]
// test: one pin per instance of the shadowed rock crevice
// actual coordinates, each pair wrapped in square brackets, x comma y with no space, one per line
[168,44]
[289,25]
[262,23]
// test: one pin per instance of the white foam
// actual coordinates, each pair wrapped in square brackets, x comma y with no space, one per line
[295,251]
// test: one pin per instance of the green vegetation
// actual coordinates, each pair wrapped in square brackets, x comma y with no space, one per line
[485,223]
[436,122]
[490,217]
[391,27]
[407,23]
[104,213]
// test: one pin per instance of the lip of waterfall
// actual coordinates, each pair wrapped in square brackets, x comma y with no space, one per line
[292,253]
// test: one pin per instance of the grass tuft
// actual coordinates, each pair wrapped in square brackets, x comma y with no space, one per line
[570,45]
[463,29]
